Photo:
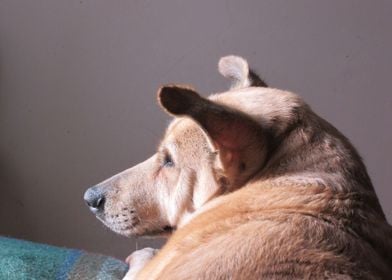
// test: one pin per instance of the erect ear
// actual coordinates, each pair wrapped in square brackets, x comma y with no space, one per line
[232,132]
[236,69]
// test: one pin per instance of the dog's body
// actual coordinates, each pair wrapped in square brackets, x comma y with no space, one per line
[258,187]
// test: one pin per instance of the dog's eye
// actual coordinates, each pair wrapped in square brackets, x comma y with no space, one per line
[168,161]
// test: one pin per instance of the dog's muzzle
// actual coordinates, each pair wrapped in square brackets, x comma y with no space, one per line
[95,199]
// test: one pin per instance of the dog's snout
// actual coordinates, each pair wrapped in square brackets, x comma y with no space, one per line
[95,199]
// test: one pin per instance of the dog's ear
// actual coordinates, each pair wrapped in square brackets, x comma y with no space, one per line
[236,69]
[232,132]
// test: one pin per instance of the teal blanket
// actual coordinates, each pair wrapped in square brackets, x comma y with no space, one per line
[21,260]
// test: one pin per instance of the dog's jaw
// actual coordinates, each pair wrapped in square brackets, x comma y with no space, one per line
[127,223]
[124,222]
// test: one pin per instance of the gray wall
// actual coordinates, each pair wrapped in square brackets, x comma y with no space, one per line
[78,82]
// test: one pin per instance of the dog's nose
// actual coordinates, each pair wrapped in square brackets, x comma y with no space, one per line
[95,199]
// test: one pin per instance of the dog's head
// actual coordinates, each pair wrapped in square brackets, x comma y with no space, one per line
[209,149]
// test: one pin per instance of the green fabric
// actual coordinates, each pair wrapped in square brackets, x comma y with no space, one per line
[21,260]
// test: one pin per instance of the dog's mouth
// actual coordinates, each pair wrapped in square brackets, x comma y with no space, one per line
[132,226]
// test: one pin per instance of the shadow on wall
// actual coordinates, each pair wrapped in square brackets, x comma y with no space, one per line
[14,220]
[13,217]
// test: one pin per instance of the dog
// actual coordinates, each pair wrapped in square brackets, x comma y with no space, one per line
[248,184]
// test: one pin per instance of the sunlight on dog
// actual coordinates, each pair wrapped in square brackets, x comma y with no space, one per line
[248,184]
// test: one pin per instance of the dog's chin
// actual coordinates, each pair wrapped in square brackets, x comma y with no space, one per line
[162,232]
[138,230]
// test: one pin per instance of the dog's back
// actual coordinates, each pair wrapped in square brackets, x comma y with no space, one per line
[269,232]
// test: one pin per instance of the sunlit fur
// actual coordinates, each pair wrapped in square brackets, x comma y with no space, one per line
[295,204]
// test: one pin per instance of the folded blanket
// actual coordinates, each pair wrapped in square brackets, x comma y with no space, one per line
[21,260]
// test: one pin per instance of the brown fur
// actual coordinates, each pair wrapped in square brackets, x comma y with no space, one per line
[258,187]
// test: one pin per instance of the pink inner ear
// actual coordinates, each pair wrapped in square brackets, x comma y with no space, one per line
[228,129]
[234,135]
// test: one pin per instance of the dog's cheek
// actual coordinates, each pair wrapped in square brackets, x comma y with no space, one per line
[168,177]
[148,209]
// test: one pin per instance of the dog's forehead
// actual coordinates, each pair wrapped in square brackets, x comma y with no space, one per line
[184,132]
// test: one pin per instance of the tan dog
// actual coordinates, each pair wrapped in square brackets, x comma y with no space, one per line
[254,185]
